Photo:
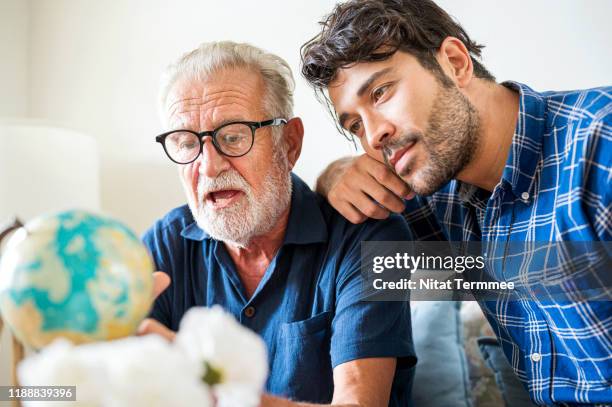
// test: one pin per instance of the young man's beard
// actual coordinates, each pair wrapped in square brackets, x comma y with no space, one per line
[450,140]
[255,214]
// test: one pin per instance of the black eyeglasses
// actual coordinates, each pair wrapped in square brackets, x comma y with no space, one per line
[233,139]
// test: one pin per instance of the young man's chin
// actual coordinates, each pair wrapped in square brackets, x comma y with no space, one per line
[419,183]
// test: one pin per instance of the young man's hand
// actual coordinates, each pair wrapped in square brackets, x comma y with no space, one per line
[363,187]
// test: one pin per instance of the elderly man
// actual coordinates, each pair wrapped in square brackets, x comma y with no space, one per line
[257,241]
[494,163]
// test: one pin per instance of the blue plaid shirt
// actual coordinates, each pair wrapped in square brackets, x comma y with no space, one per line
[555,187]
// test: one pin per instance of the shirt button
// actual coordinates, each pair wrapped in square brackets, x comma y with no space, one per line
[525,196]
[249,312]
[536,357]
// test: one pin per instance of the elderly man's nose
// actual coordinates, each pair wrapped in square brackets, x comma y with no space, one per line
[213,163]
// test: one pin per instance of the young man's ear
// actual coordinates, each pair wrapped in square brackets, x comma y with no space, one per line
[455,60]
[293,135]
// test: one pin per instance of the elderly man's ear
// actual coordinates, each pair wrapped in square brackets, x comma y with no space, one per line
[293,135]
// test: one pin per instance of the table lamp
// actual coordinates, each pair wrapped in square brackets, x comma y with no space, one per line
[45,169]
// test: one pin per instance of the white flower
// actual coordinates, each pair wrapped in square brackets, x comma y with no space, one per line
[237,395]
[236,356]
[149,371]
[60,365]
[136,371]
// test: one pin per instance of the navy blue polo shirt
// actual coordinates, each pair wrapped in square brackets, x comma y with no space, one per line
[307,306]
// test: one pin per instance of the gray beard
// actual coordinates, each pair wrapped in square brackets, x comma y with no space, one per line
[252,215]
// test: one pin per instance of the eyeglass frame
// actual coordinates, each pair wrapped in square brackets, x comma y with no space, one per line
[213,135]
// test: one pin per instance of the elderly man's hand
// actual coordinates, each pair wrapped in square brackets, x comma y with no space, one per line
[161,281]
[363,187]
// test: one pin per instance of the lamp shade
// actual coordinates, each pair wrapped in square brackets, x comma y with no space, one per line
[46,169]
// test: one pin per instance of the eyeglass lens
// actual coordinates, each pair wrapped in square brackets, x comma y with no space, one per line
[233,140]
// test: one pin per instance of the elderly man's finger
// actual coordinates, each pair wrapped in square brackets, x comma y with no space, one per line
[151,326]
[161,281]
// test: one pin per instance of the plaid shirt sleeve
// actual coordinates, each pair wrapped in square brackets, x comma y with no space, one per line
[598,174]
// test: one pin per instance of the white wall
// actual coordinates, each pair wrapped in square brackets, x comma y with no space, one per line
[94,66]
[14,16]
[548,44]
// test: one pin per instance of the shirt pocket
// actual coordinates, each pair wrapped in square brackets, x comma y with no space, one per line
[312,325]
[302,355]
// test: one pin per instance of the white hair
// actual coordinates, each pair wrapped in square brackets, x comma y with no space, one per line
[212,57]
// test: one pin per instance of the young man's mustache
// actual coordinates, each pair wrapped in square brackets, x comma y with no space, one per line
[393,145]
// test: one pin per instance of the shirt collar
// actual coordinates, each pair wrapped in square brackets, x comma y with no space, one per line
[526,145]
[306,223]
[193,232]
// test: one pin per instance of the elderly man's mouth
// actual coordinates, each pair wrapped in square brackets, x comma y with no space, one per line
[223,198]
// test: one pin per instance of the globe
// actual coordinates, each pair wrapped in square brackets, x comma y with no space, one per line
[75,275]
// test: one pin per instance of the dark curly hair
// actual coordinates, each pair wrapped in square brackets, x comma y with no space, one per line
[373,30]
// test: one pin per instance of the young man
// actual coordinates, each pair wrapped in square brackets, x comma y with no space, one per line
[475,161]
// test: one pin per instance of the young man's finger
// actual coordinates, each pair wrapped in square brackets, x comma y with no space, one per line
[384,176]
[379,193]
[368,206]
